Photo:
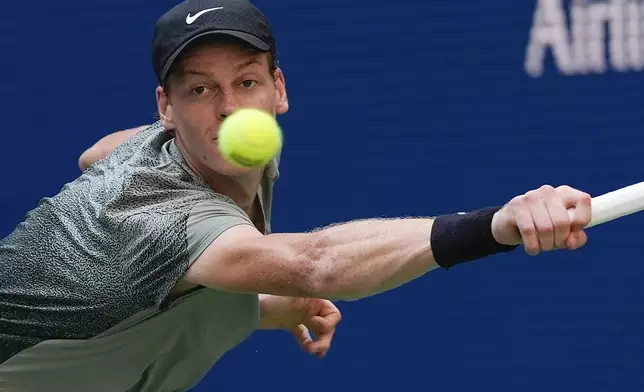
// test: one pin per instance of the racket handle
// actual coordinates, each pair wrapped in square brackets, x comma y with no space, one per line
[615,204]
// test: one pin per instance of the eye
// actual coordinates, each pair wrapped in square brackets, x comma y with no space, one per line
[200,90]
[248,83]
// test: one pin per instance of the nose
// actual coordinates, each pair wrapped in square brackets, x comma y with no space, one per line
[228,105]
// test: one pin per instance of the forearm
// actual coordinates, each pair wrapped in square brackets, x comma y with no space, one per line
[363,258]
[345,261]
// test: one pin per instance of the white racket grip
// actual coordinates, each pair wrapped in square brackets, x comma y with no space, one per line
[615,204]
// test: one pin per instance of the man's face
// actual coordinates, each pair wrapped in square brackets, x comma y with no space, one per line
[216,80]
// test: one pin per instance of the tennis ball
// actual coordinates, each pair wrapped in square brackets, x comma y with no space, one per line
[249,138]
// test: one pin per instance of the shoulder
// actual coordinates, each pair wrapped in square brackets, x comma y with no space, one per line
[210,218]
[145,174]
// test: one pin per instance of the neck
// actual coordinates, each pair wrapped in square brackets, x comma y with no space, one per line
[242,188]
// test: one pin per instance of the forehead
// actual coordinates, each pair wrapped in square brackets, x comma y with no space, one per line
[221,55]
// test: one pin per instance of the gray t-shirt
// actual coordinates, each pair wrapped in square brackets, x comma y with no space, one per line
[86,278]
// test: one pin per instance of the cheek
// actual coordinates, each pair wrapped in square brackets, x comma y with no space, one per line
[266,100]
[198,119]
[204,144]
[210,135]
[196,131]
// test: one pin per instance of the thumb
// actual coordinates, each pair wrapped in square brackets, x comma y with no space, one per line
[576,240]
[302,335]
[319,325]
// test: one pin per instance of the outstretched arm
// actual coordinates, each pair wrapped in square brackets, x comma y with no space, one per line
[105,146]
[362,258]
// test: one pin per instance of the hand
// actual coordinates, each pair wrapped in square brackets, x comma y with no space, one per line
[301,316]
[539,219]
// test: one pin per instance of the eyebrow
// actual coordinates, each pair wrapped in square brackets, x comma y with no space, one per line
[247,63]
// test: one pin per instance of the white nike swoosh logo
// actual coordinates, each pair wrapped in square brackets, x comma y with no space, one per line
[191,19]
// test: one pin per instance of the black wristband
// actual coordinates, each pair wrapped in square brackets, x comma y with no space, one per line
[459,238]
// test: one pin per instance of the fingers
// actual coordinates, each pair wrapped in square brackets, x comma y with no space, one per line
[559,219]
[542,222]
[525,223]
[542,219]
[331,313]
[581,202]
[324,332]
[302,335]
[323,327]
[576,240]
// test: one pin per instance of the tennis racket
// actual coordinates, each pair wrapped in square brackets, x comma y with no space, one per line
[616,204]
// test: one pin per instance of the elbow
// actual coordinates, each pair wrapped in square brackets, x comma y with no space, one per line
[316,260]
[322,278]
[86,159]
[89,157]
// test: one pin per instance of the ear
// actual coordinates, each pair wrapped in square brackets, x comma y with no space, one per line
[164,106]
[280,91]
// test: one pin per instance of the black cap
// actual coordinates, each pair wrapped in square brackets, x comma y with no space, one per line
[193,19]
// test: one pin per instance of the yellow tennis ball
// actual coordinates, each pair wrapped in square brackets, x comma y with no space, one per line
[249,138]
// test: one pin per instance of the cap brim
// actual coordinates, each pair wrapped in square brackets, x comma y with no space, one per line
[248,38]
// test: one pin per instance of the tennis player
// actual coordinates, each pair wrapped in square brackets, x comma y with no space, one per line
[159,258]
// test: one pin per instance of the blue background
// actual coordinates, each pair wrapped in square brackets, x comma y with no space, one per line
[410,108]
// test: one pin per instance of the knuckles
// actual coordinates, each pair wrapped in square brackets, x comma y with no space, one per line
[547,189]
[560,224]
[585,198]
[565,188]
